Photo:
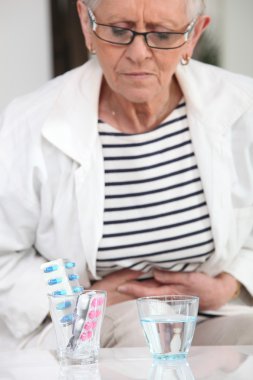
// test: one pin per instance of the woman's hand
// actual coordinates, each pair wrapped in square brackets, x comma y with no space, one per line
[212,291]
[112,282]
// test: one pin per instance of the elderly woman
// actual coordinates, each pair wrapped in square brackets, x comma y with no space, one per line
[138,167]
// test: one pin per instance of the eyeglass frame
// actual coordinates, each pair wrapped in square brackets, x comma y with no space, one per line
[186,33]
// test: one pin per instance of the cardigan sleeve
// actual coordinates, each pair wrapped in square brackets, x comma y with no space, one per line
[242,196]
[23,300]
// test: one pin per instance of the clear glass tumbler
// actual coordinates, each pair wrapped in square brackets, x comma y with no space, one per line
[168,323]
[77,321]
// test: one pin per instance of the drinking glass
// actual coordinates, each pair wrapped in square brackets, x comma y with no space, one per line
[77,320]
[168,323]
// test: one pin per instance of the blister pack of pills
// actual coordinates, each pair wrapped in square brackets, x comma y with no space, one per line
[60,281]
[60,277]
[88,316]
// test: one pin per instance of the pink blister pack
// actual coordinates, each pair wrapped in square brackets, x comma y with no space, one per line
[88,317]
[93,317]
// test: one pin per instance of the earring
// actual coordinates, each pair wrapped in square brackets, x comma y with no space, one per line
[185,60]
[91,50]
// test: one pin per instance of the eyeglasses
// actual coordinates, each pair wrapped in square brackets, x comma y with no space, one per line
[124,36]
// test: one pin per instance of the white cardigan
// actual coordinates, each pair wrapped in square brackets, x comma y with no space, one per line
[52,180]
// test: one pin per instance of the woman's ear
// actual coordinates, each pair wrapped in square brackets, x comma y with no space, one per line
[85,23]
[201,25]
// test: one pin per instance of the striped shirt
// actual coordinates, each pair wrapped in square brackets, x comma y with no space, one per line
[155,211]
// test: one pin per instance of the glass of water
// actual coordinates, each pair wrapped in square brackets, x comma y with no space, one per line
[168,323]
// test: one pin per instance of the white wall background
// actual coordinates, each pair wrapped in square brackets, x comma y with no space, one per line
[25,47]
[25,42]
[237,54]
[232,28]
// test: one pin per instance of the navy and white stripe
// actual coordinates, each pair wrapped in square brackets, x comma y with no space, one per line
[155,209]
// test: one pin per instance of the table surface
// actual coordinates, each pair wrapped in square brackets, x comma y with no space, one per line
[207,363]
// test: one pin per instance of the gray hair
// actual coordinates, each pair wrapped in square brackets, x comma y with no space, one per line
[194,7]
[92,4]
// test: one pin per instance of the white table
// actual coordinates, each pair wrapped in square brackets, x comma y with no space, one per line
[209,363]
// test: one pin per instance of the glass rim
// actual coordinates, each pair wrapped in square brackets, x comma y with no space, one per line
[50,295]
[169,297]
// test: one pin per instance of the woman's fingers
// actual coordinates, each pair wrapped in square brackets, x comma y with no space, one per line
[113,280]
[166,277]
[123,275]
[138,290]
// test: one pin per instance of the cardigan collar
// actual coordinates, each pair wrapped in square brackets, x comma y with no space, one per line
[71,124]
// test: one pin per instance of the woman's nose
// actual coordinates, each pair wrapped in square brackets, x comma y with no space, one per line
[138,50]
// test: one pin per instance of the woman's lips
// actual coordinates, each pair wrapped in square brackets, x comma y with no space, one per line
[138,75]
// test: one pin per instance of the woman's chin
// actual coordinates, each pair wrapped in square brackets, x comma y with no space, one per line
[138,95]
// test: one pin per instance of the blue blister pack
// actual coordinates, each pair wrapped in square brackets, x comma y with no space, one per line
[61,280]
